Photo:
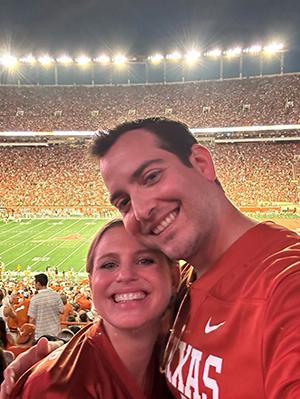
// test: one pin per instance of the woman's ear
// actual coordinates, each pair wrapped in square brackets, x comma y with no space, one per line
[201,160]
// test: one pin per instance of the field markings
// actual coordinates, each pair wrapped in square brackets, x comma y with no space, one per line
[59,245]
[26,230]
[23,241]
[9,226]
[41,243]
[71,253]
[13,225]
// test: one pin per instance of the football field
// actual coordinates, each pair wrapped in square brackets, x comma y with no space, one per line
[43,243]
[58,243]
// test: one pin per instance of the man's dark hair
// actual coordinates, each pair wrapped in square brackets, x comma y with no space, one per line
[41,278]
[173,136]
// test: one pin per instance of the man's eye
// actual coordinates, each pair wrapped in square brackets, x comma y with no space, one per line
[145,261]
[123,204]
[152,177]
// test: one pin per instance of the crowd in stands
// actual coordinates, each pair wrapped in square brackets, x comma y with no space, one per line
[239,102]
[16,331]
[258,173]
[54,177]
[63,177]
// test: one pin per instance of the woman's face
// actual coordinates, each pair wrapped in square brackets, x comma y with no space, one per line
[131,284]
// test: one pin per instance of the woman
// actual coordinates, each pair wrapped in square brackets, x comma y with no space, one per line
[115,358]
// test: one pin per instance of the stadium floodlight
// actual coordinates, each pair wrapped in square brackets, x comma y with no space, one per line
[175,56]
[45,60]
[102,59]
[156,58]
[83,60]
[255,49]
[192,56]
[233,52]
[64,59]
[28,59]
[273,48]
[8,61]
[119,59]
[214,53]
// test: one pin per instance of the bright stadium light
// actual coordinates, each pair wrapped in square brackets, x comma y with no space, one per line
[233,52]
[83,60]
[102,59]
[119,59]
[175,56]
[8,61]
[28,59]
[45,60]
[255,49]
[273,48]
[156,58]
[192,56]
[64,59]
[214,53]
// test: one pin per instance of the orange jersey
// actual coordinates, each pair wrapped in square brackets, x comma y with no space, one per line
[83,302]
[21,311]
[68,311]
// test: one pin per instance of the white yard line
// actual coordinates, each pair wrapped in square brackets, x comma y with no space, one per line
[58,246]
[43,242]
[22,232]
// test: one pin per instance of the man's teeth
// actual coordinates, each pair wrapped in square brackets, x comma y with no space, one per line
[132,296]
[165,223]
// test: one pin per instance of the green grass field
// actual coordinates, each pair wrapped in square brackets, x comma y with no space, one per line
[61,243]
[40,243]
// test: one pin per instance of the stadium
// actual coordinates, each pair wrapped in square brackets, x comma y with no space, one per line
[175,127]
[52,196]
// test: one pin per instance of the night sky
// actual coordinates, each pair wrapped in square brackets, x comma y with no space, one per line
[140,27]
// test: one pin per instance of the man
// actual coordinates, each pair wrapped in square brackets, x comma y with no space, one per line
[45,308]
[242,338]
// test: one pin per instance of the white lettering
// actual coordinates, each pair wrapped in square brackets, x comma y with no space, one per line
[216,362]
[193,376]
[177,379]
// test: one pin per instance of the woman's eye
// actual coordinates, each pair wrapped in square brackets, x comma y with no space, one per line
[108,265]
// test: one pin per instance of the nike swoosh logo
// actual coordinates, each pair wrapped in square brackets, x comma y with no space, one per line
[212,327]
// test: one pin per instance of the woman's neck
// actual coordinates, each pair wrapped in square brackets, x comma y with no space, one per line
[135,348]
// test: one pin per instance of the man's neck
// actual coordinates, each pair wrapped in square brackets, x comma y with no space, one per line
[230,227]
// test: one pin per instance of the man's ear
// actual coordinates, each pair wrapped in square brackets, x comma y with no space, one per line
[201,160]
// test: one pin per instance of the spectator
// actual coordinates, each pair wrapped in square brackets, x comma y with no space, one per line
[24,340]
[45,308]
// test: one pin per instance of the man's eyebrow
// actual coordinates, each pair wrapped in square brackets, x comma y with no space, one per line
[135,175]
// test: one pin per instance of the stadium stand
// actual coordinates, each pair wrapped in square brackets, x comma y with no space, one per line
[240,102]
[61,178]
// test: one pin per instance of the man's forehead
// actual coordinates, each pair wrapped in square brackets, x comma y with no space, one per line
[136,137]
[128,151]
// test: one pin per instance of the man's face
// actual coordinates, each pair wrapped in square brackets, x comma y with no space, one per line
[165,204]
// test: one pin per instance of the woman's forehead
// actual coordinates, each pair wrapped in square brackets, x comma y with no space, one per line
[117,236]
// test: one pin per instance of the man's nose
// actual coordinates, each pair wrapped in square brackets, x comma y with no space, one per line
[143,207]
